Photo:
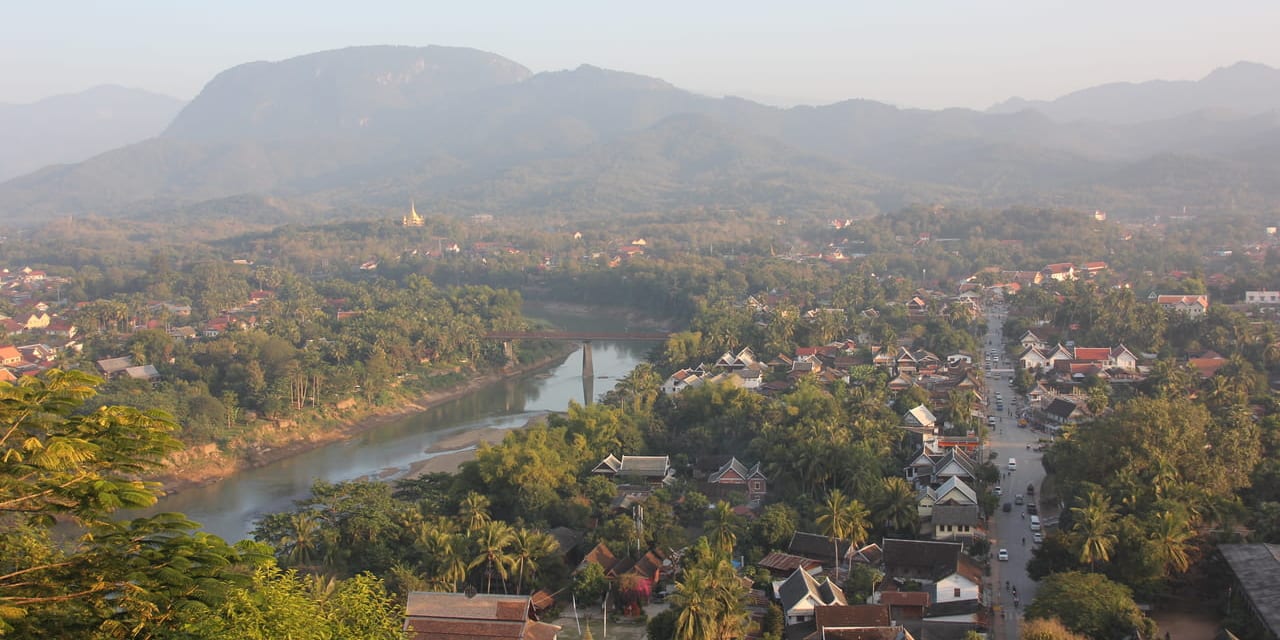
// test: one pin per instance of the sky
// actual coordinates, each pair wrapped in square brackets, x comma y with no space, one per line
[916,53]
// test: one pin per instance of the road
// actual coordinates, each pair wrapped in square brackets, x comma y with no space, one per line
[1010,530]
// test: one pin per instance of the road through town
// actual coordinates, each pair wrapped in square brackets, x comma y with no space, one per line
[1010,530]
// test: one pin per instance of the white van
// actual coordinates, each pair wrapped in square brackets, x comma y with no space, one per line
[1035,523]
[1013,464]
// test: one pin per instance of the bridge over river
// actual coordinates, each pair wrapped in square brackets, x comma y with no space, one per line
[508,339]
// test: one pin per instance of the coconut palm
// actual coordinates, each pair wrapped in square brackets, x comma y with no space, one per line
[1169,540]
[722,526]
[528,547]
[491,541]
[896,504]
[1095,524]
[842,519]
[302,544]
[474,511]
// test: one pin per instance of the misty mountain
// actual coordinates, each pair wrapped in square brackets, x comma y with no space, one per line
[336,90]
[73,127]
[1245,88]
[469,131]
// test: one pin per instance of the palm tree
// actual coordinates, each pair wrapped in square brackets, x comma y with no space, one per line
[696,600]
[722,526]
[528,547]
[1095,523]
[492,541]
[1169,538]
[303,543]
[843,519]
[896,504]
[474,511]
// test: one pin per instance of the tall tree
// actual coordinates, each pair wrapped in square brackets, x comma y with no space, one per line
[1095,524]
[842,519]
[492,541]
[528,548]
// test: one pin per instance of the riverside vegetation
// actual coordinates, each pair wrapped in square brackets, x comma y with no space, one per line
[1150,505]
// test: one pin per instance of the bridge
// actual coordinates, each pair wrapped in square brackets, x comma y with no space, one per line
[584,337]
[575,336]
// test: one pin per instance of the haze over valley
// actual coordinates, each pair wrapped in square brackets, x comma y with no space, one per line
[367,128]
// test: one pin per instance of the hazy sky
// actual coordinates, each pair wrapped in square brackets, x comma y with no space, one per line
[926,53]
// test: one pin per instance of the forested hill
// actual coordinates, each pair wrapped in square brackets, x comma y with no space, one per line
[368,128]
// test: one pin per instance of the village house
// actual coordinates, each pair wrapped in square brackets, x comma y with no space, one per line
[952,580]
[112,367]
[800,594]
[653,470]
[1059,271]
[1263,297]
[1193,306]
[735,476]
[432,616]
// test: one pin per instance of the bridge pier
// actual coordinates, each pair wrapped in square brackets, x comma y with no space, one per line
[509,350]
[588,374]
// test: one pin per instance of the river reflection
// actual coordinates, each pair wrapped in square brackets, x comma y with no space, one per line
[230,507]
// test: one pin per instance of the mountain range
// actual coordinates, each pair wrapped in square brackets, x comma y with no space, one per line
[368,128]
[75,127]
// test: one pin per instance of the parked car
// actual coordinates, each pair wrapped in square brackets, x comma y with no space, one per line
[1037,538]
[1033,509]
[1031,489]
[998,490]
[1008,506]
[1003,556]
[1017,499]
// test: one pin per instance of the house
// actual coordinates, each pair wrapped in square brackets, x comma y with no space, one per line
[949,575]
[920,417]
[1063,411]
[683,379]
[112,367]
[1194,306]
[145,372]
[10,356]
[782,564]
[800,594]
[459,616]
[1122,358]
[1263,297]
[1030,339]
[745,358]
[1256,572]
[1207,364]
[651,469]
[1060,271]
[955,521]
[856,622]
[33,320]
[824,549]
[735,475]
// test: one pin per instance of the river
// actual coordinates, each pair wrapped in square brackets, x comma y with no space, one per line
[229,508]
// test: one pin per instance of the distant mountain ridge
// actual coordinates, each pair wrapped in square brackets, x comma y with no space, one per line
[1244,88]
[474,132]
[73,127]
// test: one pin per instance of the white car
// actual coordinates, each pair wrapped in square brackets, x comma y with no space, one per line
[998,491]
[1003,556]
[1037,538]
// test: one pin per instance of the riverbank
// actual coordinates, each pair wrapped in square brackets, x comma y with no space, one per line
[209,464]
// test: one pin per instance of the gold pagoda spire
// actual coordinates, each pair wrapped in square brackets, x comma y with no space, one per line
[413,219]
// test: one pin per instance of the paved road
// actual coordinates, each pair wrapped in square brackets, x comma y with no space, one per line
[1009,530]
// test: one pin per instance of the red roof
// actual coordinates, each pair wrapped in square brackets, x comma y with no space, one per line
[1093,353]
[905,598]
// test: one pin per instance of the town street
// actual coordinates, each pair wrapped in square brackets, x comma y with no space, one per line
[1010,530]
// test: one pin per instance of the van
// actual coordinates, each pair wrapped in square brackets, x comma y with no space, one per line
[1035,523]
[1013,464]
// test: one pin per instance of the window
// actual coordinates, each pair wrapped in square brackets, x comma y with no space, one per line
[957,593]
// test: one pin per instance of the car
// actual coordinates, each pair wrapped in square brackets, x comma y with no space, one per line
[1037,538]
[1008,506]
[998,490]
[1033,509]
[1017,499]
[1003,556]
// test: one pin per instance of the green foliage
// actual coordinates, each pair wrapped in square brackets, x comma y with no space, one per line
[283,604]
[590,583]
[146,575]
[1091,605]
